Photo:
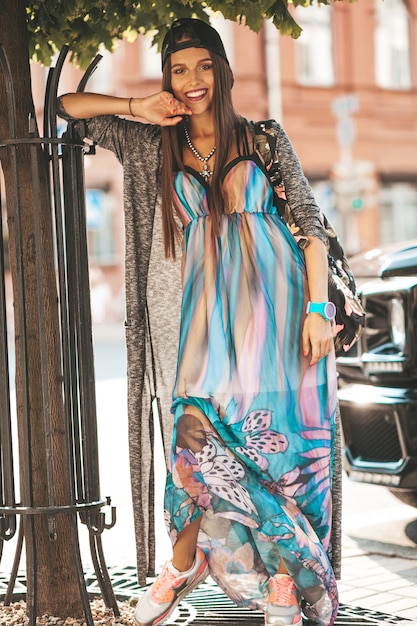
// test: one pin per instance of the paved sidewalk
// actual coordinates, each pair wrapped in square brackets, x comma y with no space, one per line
[379,549]
[379,576]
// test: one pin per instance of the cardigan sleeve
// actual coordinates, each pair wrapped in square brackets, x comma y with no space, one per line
[300,197]
[121,136]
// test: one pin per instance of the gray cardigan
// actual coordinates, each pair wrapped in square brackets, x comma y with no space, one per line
[153,294]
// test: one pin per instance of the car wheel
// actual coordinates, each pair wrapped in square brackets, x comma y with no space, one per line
[408,497]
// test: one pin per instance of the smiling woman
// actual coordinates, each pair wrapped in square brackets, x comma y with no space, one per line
[192,81]
[251,491]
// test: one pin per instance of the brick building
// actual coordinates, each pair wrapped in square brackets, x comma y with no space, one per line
[346,92]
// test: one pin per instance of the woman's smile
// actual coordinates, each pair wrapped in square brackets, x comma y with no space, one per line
[192,77]
[196,95]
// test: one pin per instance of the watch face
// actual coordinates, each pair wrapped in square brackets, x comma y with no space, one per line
[330,310]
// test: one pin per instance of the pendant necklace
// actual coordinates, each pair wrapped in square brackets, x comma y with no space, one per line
[206,173]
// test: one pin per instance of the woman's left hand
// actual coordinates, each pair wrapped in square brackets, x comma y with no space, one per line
[317,337]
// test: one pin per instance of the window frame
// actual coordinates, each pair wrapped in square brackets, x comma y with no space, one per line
[318,47]
[387,43]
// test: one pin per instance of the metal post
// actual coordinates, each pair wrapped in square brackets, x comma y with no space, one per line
[65,169]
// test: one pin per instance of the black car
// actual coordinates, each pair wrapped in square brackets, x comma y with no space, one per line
[378,376]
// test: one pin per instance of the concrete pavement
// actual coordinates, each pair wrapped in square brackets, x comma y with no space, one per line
[379,578]
[379,548]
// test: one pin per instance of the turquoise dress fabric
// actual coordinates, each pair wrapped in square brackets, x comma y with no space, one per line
[254,423]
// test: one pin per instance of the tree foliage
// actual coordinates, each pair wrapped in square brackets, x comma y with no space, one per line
[86,24]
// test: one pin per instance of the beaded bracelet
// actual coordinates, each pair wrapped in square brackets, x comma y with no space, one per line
[130,108]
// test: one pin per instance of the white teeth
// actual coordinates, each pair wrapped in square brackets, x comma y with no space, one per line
[196,94]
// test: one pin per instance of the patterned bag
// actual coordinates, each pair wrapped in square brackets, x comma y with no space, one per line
[350,315]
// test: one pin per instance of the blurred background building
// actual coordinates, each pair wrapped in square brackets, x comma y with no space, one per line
[346,93]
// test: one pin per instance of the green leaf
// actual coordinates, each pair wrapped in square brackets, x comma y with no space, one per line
[85,25]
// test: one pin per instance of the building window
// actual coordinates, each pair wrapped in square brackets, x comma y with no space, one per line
[314,48]
[398,219]
[100,208]
[392,45]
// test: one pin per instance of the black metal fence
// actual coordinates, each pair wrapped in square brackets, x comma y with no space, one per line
[65,171]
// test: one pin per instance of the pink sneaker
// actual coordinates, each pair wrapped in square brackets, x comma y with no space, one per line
[283,607]
[168,590]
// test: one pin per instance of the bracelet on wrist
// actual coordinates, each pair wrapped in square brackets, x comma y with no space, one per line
[130,108]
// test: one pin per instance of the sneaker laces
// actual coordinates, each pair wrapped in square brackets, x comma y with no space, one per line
[282,591]
[162,589]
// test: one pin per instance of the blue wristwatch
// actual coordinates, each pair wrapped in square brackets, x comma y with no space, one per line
[326,309]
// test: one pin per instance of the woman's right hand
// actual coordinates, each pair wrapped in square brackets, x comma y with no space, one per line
[161,108]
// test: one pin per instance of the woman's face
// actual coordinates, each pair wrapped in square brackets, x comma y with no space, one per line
[192,78]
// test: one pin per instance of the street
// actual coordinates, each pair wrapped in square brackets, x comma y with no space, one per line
[372,513]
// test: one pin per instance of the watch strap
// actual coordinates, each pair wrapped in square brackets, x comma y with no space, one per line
[326,309]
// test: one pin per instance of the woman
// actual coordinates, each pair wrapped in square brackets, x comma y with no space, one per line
[249,489]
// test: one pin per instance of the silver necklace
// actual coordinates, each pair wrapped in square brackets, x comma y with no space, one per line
[206,173]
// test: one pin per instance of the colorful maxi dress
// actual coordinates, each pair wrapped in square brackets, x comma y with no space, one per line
[254,422]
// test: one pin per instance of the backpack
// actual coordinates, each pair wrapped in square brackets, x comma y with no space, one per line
[350,314]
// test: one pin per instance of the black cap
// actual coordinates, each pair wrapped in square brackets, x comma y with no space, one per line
[199,35]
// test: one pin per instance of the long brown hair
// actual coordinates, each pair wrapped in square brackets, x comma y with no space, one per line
[226,123]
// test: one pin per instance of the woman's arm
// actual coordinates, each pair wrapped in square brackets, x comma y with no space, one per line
[161,108]
[304,208]
[317,332]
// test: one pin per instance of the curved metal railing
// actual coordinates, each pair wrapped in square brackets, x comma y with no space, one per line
[66,179]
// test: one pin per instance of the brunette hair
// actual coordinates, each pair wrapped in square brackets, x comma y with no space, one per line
[227,122]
